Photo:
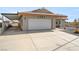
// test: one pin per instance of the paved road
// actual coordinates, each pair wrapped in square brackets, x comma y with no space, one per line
[46,40]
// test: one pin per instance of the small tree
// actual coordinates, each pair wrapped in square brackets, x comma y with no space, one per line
[75,23]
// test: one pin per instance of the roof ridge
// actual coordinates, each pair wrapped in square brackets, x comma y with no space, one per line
[42,10]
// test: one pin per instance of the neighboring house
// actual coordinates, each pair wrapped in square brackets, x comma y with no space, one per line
[37,19]
[3,23]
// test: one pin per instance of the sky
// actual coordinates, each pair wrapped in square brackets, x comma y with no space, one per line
[71,12]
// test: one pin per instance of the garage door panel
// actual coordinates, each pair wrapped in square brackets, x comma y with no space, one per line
[35,24]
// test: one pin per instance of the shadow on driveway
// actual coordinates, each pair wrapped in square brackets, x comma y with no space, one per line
[16,32]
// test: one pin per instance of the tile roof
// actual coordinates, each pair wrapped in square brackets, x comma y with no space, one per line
[43,11]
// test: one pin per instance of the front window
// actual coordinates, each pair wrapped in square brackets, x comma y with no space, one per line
[41,17]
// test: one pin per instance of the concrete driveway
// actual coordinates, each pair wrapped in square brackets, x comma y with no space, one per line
[45,40]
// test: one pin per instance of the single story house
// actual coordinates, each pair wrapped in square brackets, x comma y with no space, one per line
[37,19]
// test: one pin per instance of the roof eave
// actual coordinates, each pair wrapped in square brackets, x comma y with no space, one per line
[42,14]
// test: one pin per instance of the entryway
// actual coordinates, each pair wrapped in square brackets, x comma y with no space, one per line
[57,23]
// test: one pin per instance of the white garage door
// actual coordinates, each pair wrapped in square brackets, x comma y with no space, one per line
[36,24]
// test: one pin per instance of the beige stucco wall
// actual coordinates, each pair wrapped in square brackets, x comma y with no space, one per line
[0,30]
[24,23]
[54,23]
[62,25]
[25,20]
